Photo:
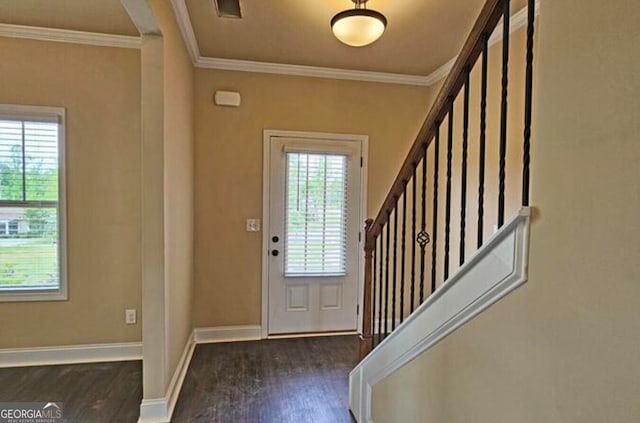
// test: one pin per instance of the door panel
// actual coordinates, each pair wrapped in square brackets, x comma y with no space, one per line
[313,235]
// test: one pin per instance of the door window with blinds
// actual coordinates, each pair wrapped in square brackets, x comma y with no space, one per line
[31,203]
[315,214]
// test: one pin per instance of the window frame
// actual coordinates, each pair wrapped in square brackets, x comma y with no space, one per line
[22,112]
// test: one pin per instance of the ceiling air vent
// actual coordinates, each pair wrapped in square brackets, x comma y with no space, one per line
[228,8]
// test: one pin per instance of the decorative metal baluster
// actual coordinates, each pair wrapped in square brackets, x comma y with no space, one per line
[367,336]
[463,181]
[447,215]
[413,237]
[395,266]
[503,111]
[528,99]
[386,278]
[380,287]
[377,279]
[483,137]
[434,229]
[423,236]
[403,247]
[373,294]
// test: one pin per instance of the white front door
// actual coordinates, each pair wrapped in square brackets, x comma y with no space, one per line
[314,230]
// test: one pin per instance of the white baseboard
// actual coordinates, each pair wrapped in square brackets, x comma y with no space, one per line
[227,334]
[313,334]
[160,410]
[494,271]
[70,354]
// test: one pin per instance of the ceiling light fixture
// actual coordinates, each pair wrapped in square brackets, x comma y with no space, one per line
[359,26]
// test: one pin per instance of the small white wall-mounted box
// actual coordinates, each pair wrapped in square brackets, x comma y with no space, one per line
[253,225]
[227,98]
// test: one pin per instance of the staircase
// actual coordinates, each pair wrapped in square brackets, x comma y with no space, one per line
[440,249]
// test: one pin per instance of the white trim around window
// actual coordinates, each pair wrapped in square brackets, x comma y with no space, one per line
[44,114]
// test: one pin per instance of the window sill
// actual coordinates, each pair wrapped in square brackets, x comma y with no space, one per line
[24,296]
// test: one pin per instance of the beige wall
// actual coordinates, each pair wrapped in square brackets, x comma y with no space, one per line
[563,348]
[100,89]
[228,160]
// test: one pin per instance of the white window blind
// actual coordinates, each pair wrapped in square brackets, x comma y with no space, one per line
[315,214]
[29,204]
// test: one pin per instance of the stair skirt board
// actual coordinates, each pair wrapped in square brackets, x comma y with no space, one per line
[498,268]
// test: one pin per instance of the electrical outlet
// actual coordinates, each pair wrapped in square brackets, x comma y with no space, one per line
[130,316]
[253,225]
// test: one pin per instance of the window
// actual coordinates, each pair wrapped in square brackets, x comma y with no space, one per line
[13,227]
[32,241]
[316,208]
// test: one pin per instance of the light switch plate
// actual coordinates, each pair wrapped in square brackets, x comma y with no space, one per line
[253,225]
[130,316]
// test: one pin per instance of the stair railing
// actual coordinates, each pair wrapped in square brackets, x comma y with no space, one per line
[398,279]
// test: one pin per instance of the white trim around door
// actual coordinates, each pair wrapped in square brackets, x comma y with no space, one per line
[266,166]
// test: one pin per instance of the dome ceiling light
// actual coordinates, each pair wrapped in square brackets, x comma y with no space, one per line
[359,26]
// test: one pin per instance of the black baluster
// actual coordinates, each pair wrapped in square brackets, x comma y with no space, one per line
[395,266]
[463,182]
[380,287]
[528,99]
[413,237]
[483,138]
[423,238]
[503,111]
[434,229]
[402,265]
[386,278]
[373,296]
[447,214]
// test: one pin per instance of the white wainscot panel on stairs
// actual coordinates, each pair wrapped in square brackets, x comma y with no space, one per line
[498,268]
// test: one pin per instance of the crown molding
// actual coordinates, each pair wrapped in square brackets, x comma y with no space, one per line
[309,71]
[199,61]
[186,28]
[440,73]
[69,36]
[517,21]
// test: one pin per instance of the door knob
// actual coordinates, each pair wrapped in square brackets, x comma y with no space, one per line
[275,253]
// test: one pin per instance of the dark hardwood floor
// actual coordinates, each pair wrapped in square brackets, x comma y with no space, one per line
[272,381]
[91,393]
